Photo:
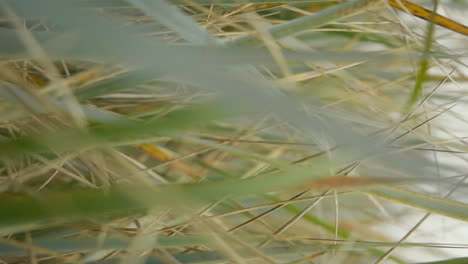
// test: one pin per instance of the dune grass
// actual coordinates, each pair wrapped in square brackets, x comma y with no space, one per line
[193,131]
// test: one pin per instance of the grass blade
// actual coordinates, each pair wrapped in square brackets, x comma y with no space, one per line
[444,207]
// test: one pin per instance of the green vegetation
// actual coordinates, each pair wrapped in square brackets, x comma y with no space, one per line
[195,131]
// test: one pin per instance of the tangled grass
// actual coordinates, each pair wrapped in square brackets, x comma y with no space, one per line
[198,131]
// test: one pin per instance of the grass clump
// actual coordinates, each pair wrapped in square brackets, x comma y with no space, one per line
[229,132]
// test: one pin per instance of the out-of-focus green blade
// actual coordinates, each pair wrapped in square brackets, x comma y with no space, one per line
[307,22]
[124,3]
[114,133]
[21,212]
[174,19]
[445,207]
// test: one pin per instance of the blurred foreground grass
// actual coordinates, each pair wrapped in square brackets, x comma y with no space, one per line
[201,131]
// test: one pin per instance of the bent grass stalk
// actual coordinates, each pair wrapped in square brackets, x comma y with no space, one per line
[120,123]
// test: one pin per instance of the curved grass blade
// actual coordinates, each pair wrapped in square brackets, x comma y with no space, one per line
[124,3]
[107,134]
[174,19]
[307,22]
[439,206]
[22,212]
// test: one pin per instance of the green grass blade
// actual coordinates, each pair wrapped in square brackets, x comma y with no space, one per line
[106,134]
[444,207]
[423,64]
[174,19]
[307,22]
[124,3]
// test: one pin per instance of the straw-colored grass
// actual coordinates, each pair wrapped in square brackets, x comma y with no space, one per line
[195,131]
